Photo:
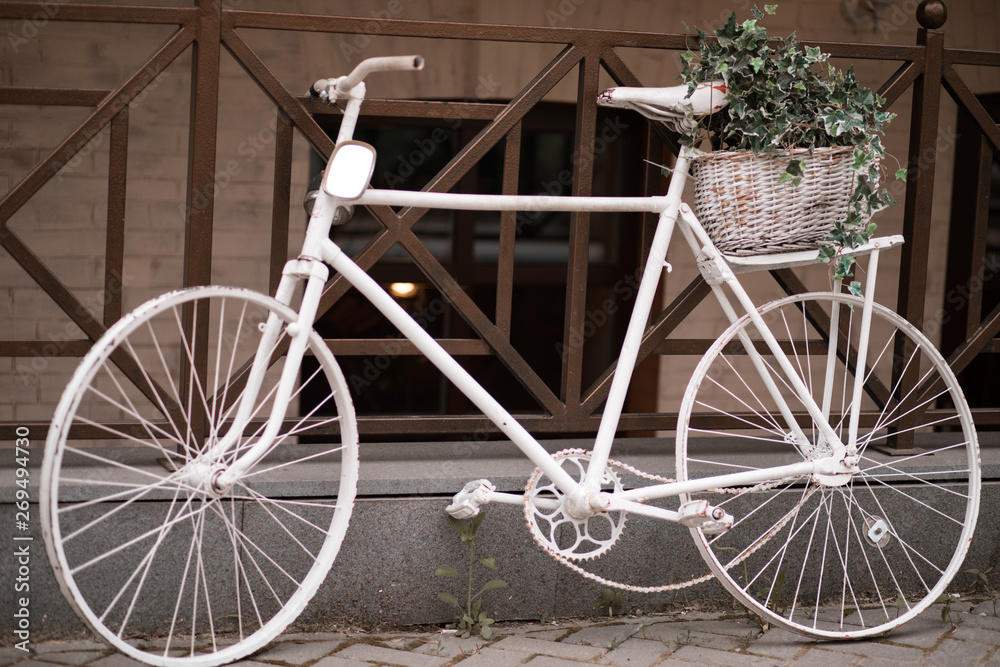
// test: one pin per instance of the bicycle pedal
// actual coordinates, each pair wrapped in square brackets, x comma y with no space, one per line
[467,502]
[699,514]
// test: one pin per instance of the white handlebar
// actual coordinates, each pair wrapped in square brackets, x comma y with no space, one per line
[329,89]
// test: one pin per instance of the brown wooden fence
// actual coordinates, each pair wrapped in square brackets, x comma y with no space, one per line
[927,67]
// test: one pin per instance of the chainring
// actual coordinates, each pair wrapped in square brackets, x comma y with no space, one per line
[554,528]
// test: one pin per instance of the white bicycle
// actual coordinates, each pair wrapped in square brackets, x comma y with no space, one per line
[217,397]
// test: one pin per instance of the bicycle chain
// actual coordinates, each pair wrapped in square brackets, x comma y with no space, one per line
[656,478]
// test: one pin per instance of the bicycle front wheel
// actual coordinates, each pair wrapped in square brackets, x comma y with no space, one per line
[833,556]
[157,561]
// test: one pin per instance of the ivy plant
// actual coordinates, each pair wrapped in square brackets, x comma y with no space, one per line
[783,95]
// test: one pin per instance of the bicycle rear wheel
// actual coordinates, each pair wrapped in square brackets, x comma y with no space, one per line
[159,564]
[834,557]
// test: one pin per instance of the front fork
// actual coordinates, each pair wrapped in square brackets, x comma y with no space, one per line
[315,273]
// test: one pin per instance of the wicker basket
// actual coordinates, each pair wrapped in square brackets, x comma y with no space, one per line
[746,211]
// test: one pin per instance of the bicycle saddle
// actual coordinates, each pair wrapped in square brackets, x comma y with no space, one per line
[669,105]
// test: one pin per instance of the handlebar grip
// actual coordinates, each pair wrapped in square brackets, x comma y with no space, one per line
[382,64]
[328,89]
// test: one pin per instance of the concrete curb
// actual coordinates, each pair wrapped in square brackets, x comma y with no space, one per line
[399,535]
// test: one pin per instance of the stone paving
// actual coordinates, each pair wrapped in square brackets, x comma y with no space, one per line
[971,639]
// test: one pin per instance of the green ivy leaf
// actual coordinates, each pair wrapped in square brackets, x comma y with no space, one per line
[843,267]
[771,9]
[901,174]
[855,288]
[796,167]
[737,107]
[793,173]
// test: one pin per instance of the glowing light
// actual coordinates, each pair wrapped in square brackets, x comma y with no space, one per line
[402,290]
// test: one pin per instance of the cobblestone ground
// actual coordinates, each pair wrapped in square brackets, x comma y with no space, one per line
[663,641]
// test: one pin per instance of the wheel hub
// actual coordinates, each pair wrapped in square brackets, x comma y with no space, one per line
[203,476]
[822,451]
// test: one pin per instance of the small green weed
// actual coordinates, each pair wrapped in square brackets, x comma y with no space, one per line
[901,604]
[611,600]
[683,639]
[983,582]
[748,639]
[471,619]
[945,600]
[774,600]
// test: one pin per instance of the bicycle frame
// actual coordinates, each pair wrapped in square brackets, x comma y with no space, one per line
[826,545]
[319,250]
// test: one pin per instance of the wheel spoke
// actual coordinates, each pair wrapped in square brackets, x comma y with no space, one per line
[194,384]
[802,570]
[180,598]
[121,507]
[144,565]
[775,427]
[127,437]
[897,472]
[742,436]
[852,501]
[188,437]
[151,428]
[265,505]
[236,541]
[267,468]
[161,406]
[282,438]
